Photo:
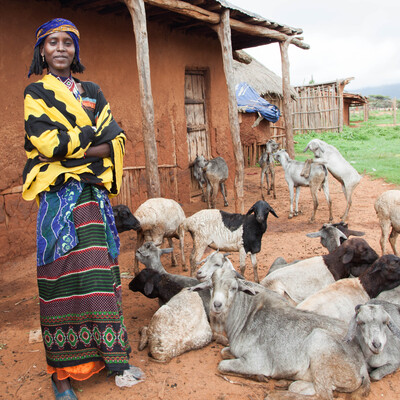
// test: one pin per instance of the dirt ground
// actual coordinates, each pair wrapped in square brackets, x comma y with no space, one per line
[192,375]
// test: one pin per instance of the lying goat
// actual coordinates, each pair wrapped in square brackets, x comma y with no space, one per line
[339,299]
[268,337]
[229,232]
[214,173]
[297,176]
[375,327]
[298,281]
[341,169]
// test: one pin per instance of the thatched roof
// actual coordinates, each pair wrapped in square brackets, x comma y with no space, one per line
[260,78]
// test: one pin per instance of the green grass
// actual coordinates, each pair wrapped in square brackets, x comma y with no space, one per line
[370,148]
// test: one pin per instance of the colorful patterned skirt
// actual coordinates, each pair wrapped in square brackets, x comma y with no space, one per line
[80,298]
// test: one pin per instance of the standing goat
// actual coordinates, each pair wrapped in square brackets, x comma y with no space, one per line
[214,173]
[267,164]
[298,174]
[338,167]
[160,218]
[387,207]
[229,232]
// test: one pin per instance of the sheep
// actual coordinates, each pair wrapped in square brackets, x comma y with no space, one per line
[229,232]
[214,173]
[339,299]
[160,218]
[315,179]
[267,164]
[375,327]
[298,281]
[387,207]
[341,169]
[176,327]
[124,219]
[333,235]
[268,337]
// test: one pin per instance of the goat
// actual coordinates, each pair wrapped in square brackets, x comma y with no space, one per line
[339,299]
[387,207]
[316,179]
[176,327]
[124,219]
[267,164]
[214,173]
[268,337]
[229,232]
[298,281]
[333,235]
[375,327]
[160,218]
[336,164]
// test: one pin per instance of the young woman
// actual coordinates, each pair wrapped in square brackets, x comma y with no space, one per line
[75,155]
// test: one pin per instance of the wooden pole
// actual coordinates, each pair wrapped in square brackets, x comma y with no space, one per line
[138,14]
[224,35]
[394,110]
[287,100]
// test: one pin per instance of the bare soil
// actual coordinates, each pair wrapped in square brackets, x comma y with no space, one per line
[193,375]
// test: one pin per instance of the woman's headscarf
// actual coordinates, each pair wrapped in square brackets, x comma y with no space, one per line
[58,25]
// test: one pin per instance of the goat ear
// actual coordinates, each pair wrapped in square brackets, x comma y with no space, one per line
[201,286]
[272,211]
[348,256]
[250,210]
[243,287]
[314,234]
[307,148]
[393,327]
[351,332]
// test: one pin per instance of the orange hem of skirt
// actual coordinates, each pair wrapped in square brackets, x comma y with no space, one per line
[78,372]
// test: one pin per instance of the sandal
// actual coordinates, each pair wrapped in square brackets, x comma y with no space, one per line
[66,395]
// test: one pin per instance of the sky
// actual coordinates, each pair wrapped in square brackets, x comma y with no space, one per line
[357,39]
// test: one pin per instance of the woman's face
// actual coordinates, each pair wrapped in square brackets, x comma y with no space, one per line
[59,51]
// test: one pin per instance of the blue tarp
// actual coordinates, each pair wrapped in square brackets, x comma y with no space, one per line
[250,101]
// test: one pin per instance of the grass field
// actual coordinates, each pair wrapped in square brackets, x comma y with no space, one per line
[369,147]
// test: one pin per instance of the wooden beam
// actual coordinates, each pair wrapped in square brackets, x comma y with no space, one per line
[210,17]
[138,14]
[224,35]
[287,99]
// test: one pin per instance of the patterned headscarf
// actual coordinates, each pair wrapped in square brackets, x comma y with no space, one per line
[58,25]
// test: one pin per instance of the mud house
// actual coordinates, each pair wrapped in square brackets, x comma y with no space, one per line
[166,69]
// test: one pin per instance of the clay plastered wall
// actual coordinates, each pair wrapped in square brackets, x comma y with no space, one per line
[108,52]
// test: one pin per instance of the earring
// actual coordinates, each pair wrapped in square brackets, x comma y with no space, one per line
[43,59]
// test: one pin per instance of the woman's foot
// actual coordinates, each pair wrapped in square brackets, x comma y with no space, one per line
[62,388]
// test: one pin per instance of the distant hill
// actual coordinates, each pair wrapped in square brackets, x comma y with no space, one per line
[385,90]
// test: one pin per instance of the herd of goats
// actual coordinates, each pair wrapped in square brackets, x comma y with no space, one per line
[326,323]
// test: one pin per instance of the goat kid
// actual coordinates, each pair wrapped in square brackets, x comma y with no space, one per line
[267,164]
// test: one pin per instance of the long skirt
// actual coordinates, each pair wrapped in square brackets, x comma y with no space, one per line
[80,298]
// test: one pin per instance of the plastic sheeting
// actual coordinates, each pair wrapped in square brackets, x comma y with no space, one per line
[250,101]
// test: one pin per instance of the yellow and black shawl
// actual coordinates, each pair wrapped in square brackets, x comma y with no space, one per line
[57,125]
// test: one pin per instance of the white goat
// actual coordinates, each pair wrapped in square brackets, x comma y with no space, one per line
[338,167]
[269,338]
[375,326]
[160,218]
[176,327]
[339,299]
[229,232]
[214,173]
[316,179]
[387,207]
[267,164]
[298,281]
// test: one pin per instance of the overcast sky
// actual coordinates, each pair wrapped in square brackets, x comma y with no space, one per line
[347,38]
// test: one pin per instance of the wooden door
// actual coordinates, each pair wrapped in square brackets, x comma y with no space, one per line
[196,119]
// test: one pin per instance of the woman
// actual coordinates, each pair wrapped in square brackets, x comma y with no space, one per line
[75,153]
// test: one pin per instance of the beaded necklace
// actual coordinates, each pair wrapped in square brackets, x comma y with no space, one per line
[70,84]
